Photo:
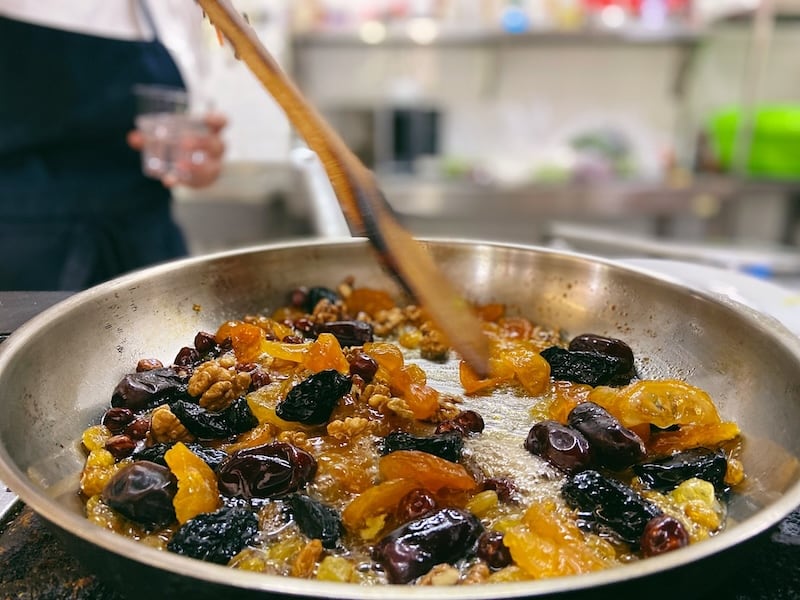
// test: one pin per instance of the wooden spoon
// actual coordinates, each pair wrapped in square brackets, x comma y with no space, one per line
[366,210]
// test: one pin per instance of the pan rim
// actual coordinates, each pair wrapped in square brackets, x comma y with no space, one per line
[86,531]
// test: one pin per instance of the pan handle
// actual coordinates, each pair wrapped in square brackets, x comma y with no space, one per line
[327,219]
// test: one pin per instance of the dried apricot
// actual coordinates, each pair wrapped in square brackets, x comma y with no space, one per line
[369,301]
[245,338]
[661,403]
[548,543]
[197,483]
[691,436]
[380,499]
[432,472]
[325,353]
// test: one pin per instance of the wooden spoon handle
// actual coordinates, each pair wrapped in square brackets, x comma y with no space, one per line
[363,205]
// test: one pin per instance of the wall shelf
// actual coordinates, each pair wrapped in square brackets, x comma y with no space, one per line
[490,37]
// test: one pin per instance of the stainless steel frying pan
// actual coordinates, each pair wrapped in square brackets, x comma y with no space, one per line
[57,371]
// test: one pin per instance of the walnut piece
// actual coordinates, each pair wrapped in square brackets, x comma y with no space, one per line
[326,311]
[477,573]
[433,345]
[166,427]
[387,321]
[442,574]
[217,385]
[348,429]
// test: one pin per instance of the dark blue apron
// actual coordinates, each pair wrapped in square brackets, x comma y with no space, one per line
[75,209]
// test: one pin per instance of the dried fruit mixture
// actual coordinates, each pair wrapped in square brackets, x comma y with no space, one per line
[340,439]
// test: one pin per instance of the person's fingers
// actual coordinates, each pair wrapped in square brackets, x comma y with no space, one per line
[135,139]
[216,122]
[195,174]
[211,145]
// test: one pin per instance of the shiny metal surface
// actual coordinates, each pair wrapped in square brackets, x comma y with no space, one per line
[57,371]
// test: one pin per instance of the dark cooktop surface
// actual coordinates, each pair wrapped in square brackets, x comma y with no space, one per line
[35,565]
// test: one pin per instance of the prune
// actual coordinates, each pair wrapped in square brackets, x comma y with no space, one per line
[349,333]
[142,492]
[148,389]
[204,424]
[267,471]
[315,294]
[415,504]
[312,401]
[363,365]
[613,445]
[598,344]
[581,367]
[466,422]
[215,537]
[116,419]
[492,550]
[444,445]
[663,534]
[411,550]
[154,453]
[186,357]
[608,506]
[667,473]
[561,446]
[316,520]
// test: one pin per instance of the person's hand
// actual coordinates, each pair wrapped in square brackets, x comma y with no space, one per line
[204,152]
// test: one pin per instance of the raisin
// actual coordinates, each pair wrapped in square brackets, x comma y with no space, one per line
[138,428]
[606,346]
[613,445]
[492,551]
[298,297]
[348,333]
[205,342]
[466,422]
[561,446]
[215,537]
[117,419]
[444,445]
[415,504]
[312,401]
[204,424]
[267,471]
[608,506]
[668,473]
[186,357]
[148,389]
[316,520]
[315,294]
[120,446]
[258,379]
[411,550]
[148,364]
[142,492]
[363,365]
[580,367]
[663,534]
[505,488]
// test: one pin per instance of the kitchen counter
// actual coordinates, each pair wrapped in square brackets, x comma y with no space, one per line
[35,565]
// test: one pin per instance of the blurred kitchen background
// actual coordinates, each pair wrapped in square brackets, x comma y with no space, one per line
[666,128]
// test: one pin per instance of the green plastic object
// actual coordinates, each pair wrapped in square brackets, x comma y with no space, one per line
[775,147]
